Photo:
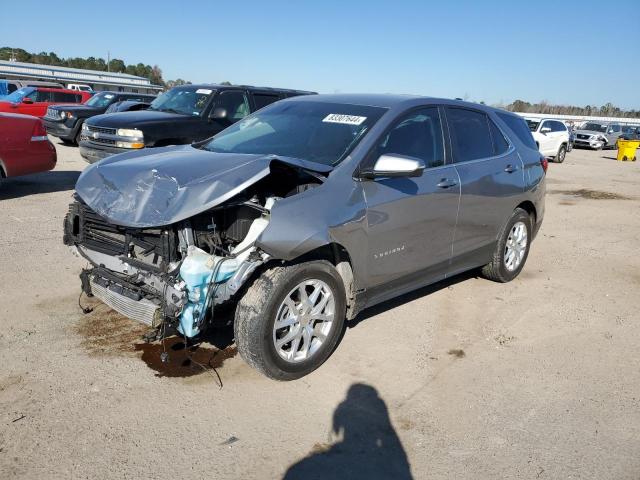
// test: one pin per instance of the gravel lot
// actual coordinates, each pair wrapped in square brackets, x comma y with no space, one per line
[538,378]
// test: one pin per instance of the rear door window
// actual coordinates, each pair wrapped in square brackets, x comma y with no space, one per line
[519,127]
[418,135]
[470,134]
[262,100]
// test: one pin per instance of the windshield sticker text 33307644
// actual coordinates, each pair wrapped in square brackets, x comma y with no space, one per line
[344,119]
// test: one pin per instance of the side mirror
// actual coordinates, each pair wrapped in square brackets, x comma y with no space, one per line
[610,130]
[218,113]
[392,165]
[27,100]
[545,130]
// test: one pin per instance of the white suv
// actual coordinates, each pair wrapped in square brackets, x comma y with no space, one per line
[551,136]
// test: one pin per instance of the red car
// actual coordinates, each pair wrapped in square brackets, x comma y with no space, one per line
[35,100]
[24,146]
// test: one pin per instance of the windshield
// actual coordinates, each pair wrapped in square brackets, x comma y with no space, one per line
[595,127]
[533,124]
[18,95]
[318,132]
[100,100]
[187,101]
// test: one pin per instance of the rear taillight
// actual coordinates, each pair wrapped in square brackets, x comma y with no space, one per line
[545,163]
[39,133]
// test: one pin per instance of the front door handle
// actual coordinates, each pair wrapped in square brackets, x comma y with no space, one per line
[447,183]
[510,168]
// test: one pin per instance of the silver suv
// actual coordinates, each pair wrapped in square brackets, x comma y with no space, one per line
[598,135]
[305,213]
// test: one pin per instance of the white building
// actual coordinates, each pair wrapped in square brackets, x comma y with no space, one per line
[121,82]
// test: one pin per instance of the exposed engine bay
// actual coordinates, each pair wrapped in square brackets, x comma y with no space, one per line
[174,275]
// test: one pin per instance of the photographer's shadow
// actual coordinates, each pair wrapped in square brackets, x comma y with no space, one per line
[369,449]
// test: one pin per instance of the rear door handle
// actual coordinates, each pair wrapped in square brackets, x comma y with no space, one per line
[447,183]
[510,169]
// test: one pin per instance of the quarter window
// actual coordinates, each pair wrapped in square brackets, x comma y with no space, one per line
[519,127]
[262,100]
[418,135]
[500,145]
[469,134]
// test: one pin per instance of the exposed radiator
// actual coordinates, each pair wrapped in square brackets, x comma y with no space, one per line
[142,310]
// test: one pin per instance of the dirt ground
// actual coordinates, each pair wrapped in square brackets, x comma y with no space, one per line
[538,378]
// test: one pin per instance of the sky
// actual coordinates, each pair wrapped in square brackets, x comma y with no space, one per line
[565,52]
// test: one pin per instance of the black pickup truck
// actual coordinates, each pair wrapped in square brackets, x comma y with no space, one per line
[65,121]
[180,116]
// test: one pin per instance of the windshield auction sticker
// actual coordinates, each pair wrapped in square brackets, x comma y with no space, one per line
[344,119]
[204,91]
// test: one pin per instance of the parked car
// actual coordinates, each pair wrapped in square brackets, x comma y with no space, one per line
[13,85]
[128,106]
[80,87]
[551,136]
[35,100]
[24,146]
[630,132]
[598,135]
[65,121]
[306,212]
[180,116]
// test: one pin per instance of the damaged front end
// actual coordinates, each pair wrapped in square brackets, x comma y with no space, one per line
[174,274]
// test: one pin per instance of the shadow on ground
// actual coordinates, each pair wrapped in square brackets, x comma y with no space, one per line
[46,182]
[369,447]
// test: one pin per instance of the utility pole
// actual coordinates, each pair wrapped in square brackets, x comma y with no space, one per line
[108,60]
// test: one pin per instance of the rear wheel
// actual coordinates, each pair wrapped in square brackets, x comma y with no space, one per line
[289,320]
[562,153]
[512,248]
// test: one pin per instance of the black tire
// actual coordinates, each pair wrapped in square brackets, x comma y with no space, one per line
[562,153]
[257,310]
[76,140]
[496,270]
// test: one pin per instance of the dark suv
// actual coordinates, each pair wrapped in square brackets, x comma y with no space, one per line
[65,121]
[183,115]
[305,213]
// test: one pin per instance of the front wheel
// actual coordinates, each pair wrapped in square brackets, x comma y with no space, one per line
[289,320]
[562,153]
[512,249]
[78,135]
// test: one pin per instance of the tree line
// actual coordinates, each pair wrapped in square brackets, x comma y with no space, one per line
[153,73]
[606,110]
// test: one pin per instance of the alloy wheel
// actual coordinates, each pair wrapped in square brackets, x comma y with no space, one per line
[303,321]
[516,246]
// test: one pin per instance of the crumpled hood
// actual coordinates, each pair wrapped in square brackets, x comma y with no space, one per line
[589,132]
[161,186]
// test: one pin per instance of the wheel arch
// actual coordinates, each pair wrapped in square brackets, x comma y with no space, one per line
[530,208]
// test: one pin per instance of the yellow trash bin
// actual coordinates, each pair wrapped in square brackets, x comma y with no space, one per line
[627,149]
